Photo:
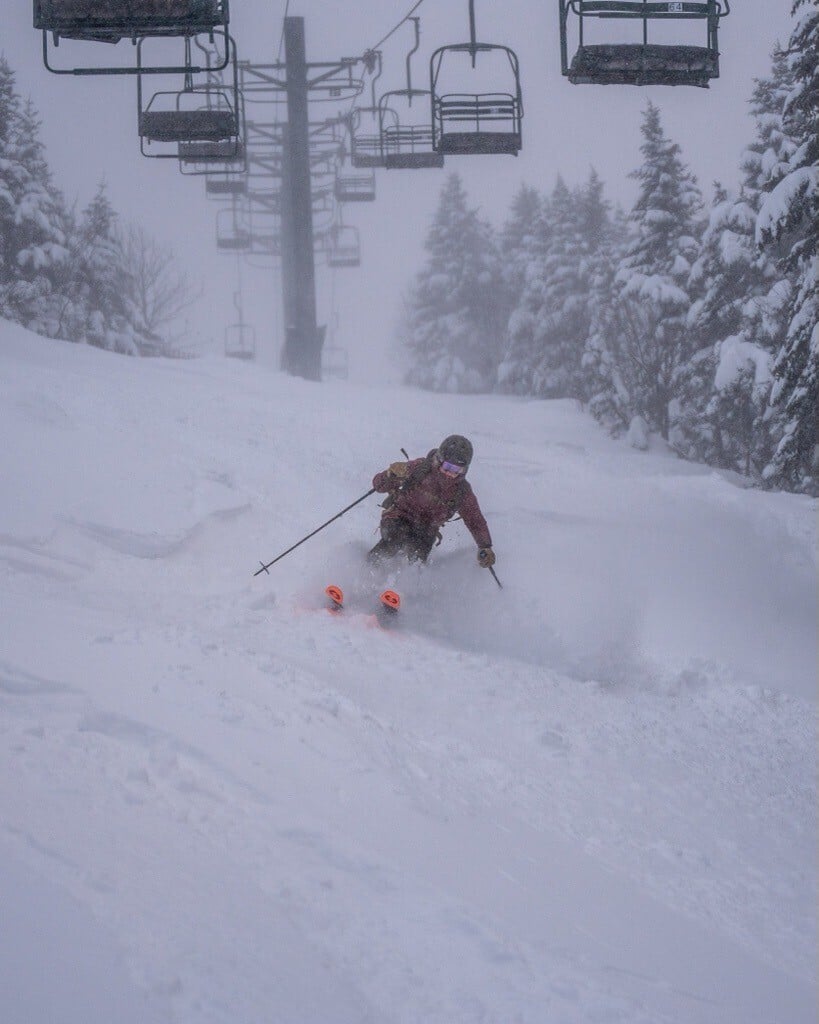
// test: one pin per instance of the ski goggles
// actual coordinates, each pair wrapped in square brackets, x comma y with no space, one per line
[452,469]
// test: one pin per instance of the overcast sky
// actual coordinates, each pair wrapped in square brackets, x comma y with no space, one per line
[89,126]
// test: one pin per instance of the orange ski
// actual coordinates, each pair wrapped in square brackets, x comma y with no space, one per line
[336,595]
[390,600]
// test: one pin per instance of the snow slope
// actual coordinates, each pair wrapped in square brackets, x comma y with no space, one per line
[587,797]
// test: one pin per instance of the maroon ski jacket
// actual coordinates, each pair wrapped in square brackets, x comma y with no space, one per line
[432,500]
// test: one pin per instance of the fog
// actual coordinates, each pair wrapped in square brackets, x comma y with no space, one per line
[89,127]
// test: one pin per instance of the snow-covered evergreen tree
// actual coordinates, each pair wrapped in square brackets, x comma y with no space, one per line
[643,340]
[35,238]
[531,224]
[608,398]
[738,323]
[516,238]
[722,390]
[9,174]
[101,275]
[549,326]
[453,327]
[789,219]
[563,318]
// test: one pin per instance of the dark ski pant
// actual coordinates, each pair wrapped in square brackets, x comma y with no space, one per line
[403,537]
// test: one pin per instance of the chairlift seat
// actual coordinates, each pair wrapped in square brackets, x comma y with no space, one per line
[365,151]
[110,20]
[229,151]
[355,188]
[413,161]
[236,242]
[226,186]
[240,341]
[644,64]
[187,125]
[344,257]
[409,147]
[472,124]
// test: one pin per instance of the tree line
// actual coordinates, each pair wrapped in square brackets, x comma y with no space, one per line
[82,276]
[691,320]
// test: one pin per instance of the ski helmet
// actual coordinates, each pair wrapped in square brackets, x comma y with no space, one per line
[455,449]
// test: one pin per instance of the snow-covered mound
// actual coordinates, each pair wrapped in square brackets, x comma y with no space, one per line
[588,796]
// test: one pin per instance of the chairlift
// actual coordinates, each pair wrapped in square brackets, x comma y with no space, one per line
[232,234]
[205,158]
[670,57]
[475,122]
[240,341]
[344,247]
[198,113]
[224,161]
[355,188]
[365,133]
[109,21]
[219,186]
[406,133]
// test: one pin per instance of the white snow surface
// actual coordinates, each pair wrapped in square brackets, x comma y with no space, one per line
[586,797]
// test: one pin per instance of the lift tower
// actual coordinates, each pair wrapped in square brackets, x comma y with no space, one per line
[303,340]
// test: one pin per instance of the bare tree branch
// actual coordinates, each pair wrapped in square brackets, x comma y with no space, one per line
[154,286]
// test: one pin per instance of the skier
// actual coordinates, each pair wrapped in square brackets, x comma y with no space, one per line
[422,495]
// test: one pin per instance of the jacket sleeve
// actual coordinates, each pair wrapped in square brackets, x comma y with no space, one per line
[472,516]
[385,481]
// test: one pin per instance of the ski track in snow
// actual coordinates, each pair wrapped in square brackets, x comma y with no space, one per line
[587,797]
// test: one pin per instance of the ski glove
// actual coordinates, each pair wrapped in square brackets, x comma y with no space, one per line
[486,558]
[399,470]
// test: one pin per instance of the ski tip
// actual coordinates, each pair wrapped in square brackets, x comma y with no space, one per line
[391,600]
[336,595]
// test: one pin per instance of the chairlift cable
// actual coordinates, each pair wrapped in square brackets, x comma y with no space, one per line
[395,28]
[281,38]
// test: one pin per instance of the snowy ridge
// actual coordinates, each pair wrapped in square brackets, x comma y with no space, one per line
[587,797]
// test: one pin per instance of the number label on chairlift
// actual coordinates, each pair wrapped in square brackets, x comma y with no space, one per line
[675,7]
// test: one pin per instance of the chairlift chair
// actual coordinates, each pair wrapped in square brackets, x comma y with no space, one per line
[210,157]
[218,186]
[355,188]
[475,122]
[240,341]
[642,61]
[365,138]
[365,134]
[207,112]
[406,133]
[344,247]
[110,21]
[168,119]
[232,235]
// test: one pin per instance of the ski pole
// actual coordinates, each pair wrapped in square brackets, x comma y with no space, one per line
[338,515]
[495,578]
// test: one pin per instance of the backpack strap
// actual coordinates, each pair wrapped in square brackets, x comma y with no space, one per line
[421,472]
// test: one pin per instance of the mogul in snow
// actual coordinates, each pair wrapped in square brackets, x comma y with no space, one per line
[422,494]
